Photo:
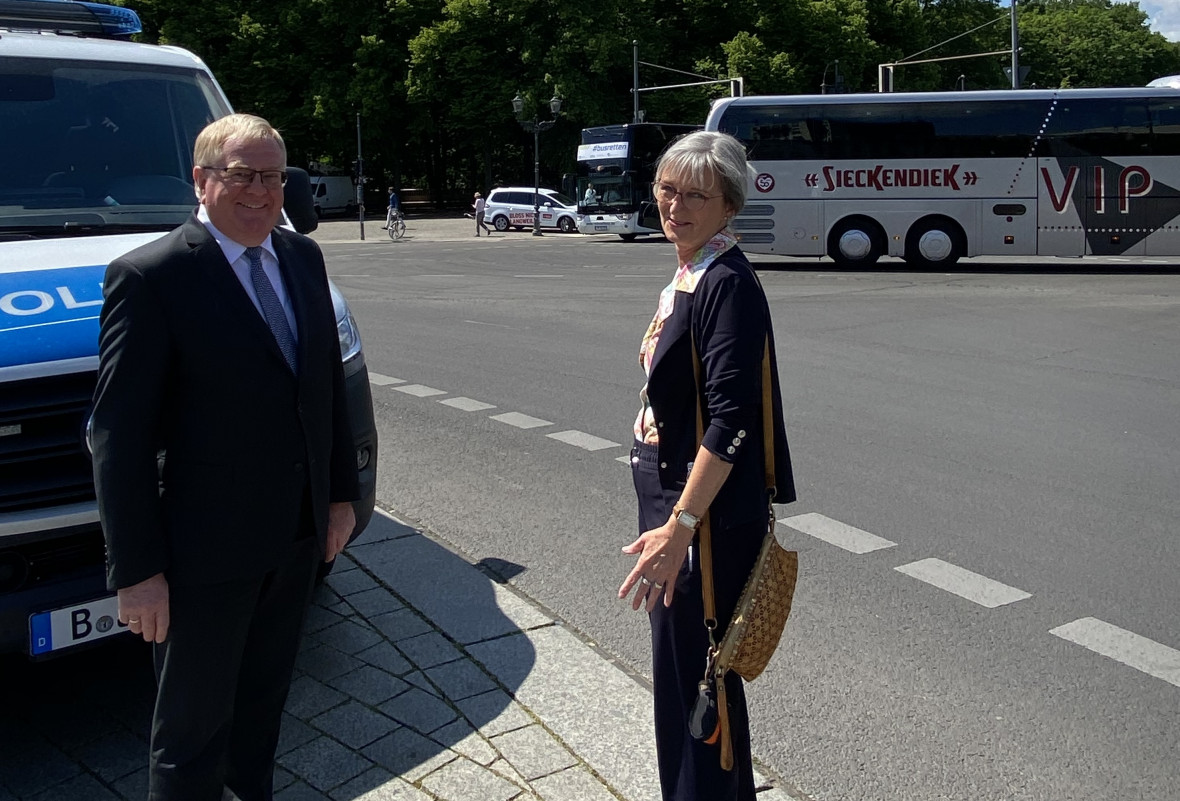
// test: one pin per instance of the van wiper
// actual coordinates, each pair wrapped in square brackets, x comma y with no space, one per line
[72,228]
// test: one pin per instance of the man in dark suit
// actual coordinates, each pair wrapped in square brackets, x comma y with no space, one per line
[223,461]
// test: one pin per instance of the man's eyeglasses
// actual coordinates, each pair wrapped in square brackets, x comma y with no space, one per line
[244,176]
[693,201]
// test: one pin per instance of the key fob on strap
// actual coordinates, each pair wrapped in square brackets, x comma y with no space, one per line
[703,723]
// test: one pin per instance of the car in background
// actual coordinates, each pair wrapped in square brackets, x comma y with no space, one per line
[512,207]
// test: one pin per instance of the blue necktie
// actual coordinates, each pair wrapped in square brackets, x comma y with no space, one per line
[272,309]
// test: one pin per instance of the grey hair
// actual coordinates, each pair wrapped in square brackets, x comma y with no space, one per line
[709,160]
[210,144]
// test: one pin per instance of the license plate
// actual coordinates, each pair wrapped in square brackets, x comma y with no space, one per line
[600,227]
[64,628]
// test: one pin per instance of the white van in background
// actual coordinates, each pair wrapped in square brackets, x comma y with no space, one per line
[333,194]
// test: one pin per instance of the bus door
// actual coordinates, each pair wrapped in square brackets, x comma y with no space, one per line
[1061,200]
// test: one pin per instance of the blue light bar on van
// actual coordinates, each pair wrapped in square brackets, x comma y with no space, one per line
[66,16]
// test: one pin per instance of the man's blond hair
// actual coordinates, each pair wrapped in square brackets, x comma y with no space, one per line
[210,146]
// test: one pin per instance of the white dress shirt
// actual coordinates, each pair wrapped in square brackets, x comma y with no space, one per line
[235,254]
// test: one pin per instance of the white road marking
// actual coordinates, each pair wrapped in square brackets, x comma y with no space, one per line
[493,325]
[538,276]
[964,583]
[1124,646]
[624,459]
[384,380]
[467,404]
[420,390]
[583,440]
[520,420]
[836,533]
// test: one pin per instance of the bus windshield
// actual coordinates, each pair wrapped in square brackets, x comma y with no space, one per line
[606,191]
[102,147]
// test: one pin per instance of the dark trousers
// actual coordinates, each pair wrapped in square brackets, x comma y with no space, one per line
[223,675]
[689,769]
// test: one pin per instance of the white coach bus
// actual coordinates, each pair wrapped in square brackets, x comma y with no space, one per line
[932,177]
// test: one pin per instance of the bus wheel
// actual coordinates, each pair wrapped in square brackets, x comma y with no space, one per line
[501,223]
[855,242]
[934,243]
[628,237]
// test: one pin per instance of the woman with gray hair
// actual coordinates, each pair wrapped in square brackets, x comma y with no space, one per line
[714,310]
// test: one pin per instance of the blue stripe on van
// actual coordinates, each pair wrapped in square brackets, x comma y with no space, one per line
[49,315]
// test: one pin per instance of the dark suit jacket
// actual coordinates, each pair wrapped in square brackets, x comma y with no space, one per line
[188,368]
[730,319]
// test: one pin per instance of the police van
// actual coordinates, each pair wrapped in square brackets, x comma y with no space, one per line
[99,133]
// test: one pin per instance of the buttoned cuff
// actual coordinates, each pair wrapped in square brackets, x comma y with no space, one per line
[726,443]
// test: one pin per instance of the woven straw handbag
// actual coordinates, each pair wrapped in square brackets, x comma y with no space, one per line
[761,614]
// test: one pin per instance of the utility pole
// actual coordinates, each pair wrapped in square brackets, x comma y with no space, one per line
[634,81]
[360,178]
[1015,50]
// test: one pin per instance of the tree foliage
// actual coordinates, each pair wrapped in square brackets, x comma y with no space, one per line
[432,80]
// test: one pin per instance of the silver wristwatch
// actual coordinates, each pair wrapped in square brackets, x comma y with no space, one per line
[686,518]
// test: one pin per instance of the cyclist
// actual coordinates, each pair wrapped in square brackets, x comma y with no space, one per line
[394,209]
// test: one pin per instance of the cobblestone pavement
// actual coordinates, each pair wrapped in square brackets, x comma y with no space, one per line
[401,693]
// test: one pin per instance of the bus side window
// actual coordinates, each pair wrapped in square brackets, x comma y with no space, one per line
[1083,127]
[1165,128]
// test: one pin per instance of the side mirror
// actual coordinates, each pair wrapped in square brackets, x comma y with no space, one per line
[297,201]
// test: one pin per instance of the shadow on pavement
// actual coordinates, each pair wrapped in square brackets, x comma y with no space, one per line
[385,690]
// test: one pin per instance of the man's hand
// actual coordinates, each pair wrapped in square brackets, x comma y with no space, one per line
[144,608]
[341,522]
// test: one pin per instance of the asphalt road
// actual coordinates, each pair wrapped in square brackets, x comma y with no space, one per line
[999,622]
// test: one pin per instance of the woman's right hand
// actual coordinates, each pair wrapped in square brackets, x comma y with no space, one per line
[661,553]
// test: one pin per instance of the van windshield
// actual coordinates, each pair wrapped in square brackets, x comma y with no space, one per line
[98,147]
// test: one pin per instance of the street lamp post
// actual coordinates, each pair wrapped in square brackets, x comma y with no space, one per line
[536,126]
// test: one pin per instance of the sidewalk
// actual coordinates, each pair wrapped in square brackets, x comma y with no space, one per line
[420,679]
[421,230]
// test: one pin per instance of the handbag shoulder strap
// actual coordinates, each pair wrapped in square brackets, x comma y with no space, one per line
[705,533]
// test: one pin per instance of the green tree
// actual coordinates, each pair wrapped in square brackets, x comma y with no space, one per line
[1092,43]
[433,80]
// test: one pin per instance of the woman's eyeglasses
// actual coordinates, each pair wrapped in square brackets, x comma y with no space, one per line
[693,201]
[243,176]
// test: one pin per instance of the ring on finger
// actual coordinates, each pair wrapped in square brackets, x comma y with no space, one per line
[645,581]
[659,585]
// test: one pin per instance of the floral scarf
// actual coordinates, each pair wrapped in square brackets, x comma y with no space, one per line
[687,276]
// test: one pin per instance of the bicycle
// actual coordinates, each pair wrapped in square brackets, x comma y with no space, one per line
[395,224]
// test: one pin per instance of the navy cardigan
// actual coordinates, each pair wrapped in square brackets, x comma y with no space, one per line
[730,319]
